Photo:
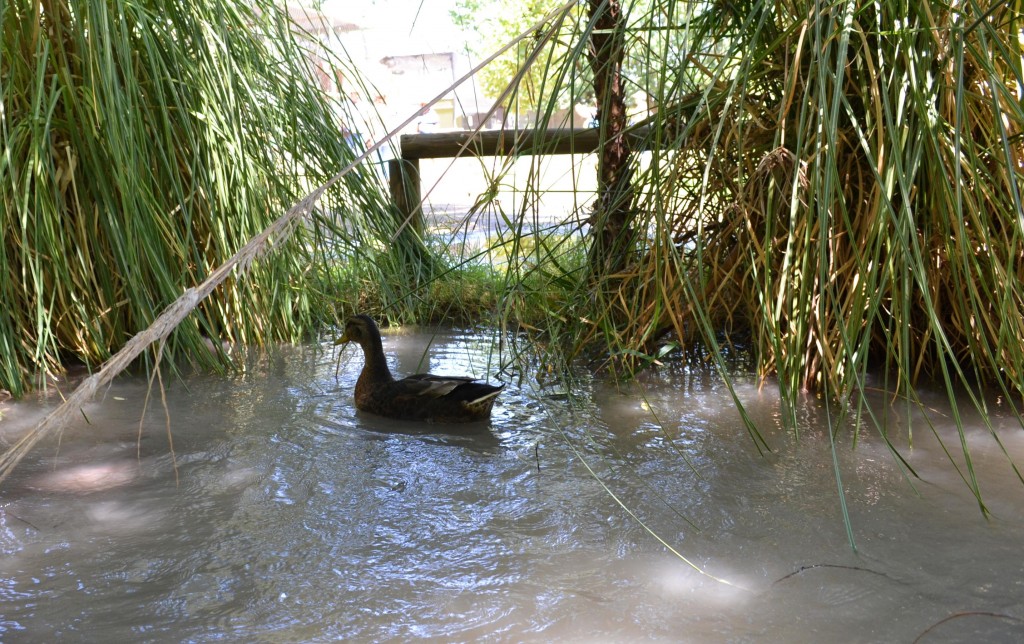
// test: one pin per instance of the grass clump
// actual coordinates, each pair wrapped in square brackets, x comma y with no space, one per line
[837,187]
[143,143]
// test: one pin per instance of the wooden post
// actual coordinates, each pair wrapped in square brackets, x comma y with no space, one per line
[612,230]
[404,181]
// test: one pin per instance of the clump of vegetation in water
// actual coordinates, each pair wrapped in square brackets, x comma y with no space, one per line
[143,144]
[840,185]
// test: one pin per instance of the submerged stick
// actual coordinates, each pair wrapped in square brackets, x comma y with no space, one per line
[164,324]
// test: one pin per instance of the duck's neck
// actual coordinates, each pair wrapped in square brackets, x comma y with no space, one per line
[375,368]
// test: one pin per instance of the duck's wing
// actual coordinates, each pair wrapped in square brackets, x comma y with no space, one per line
[446,399]
[431,386]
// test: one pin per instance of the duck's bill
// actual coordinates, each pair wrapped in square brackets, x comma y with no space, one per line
[342,340]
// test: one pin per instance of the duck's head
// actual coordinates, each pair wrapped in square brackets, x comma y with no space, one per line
[360,329]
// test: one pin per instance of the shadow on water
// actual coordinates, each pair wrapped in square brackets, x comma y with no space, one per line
[478,436]
[284,514]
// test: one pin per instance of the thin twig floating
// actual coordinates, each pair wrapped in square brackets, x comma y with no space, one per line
[970,613]
[837,566]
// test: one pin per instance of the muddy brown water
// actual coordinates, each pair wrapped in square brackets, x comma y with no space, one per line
[640,513]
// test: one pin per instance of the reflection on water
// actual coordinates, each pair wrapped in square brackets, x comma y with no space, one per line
[295,518]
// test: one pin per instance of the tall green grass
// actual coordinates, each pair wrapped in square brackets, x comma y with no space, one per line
[836,185]
[143,143]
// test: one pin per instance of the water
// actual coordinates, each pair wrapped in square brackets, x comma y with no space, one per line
[284,515]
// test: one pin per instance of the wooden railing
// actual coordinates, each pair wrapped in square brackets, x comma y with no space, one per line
[404,172]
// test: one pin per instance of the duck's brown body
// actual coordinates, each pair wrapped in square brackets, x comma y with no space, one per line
[425,397]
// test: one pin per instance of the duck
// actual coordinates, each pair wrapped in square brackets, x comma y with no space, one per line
[422,397]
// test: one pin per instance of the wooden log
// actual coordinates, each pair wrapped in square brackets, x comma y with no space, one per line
[507,142]
[404,173]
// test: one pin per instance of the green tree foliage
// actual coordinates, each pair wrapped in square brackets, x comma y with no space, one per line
[491,24]
[658,47]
